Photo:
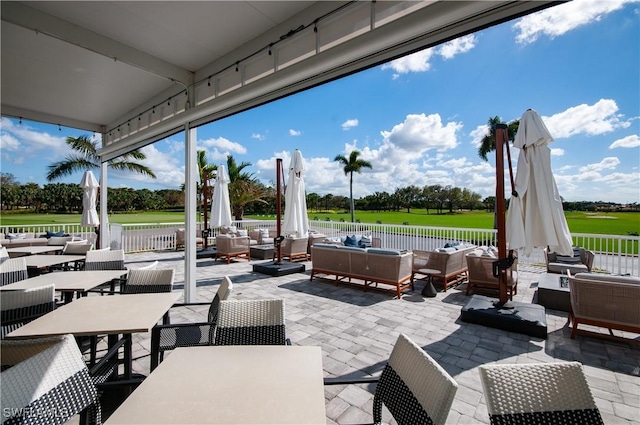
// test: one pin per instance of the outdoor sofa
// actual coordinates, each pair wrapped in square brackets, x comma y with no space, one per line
[17,240]
[449,261]
[372,266]
[603,300]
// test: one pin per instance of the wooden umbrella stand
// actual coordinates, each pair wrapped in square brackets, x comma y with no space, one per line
[512,316]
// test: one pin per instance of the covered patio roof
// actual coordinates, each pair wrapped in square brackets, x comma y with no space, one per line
[127,68]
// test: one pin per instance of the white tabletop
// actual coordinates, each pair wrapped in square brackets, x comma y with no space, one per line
[41,261]
[264,384]
[30,250]
[68,281]
[95,315]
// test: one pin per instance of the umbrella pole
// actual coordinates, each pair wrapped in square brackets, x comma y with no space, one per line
[501,138]
[278,209]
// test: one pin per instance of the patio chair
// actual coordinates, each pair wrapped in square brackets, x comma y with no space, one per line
[13,270]
[580,262]
[147,281]
[4,255]
[24,305]
[413,386]
[74,248]
[295,249]
[229,247]
[46,375]
[105,260]
[167,337]
[180,239]
[537,393]
[481,274]
[251,322]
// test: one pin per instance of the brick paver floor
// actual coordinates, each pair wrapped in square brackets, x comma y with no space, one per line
[357,330]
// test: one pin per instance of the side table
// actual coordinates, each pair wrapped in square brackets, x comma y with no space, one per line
[429,290]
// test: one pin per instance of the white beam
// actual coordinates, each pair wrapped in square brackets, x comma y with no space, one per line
[191,178]
[28,114]
[30,18]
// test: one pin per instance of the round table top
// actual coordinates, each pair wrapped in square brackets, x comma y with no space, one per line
[429,271]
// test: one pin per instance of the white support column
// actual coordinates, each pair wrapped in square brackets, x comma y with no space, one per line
[190,177]
[105,237]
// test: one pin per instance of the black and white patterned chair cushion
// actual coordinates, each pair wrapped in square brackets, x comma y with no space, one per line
[45,381]
[251,322]
[562,394]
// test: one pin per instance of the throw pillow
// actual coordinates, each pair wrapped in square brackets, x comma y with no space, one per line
[56,234]
[242,232]
[365,242]
[565,259]
[350,241]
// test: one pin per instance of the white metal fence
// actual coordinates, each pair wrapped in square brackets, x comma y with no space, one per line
[614,253]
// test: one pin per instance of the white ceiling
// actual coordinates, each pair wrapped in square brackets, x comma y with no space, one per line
[96,64]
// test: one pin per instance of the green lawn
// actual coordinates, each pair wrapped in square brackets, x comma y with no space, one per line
[579,222]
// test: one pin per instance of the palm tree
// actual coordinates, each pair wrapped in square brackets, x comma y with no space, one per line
[205,171]
[488,142]
[87,158]
[243,187]
[350,165]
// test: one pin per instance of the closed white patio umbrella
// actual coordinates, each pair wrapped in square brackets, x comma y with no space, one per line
[536,217]
[295,201]
[90,186]
[220,204]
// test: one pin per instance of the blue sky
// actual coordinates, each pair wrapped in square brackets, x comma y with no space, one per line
[418,119]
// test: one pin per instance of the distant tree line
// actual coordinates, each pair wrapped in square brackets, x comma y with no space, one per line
[67,198]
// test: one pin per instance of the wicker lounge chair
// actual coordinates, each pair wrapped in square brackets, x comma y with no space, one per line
[549,393]
[481,274]
[580,262]
[295,249]
[413,386]
[251,322]
[229,247]
[608,301]
[167,337]
[46,375]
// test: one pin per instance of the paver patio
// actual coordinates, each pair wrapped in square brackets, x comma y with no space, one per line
[357,330]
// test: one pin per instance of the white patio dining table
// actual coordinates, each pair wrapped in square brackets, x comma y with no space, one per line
[39,262]
[241,384]
[22,251]
[109,315]
[68,282]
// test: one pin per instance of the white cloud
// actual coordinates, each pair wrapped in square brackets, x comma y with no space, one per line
[591,120]
[557,152]
[460,45]
[606,163]
[563,18]
[415,62]
[293,132]
[349,124]
[632,141]
[258,136]
[420,61]
[8,142]
[419,133]
[30,140]
[218,149]
[478,134]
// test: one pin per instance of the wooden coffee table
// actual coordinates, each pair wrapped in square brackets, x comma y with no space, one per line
[553,291]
